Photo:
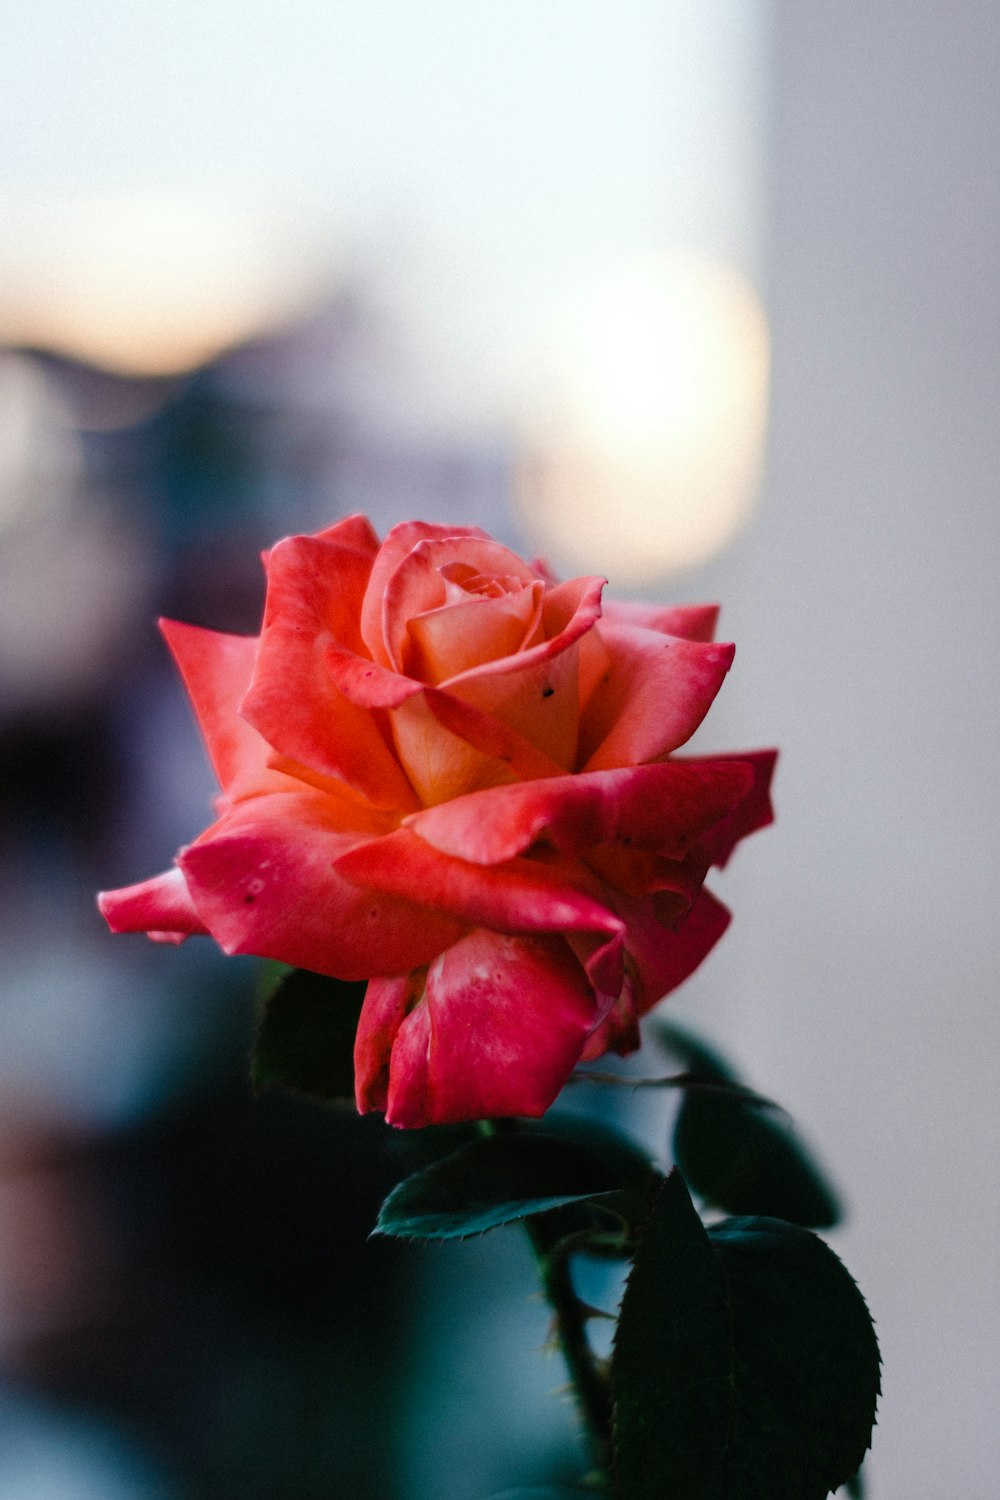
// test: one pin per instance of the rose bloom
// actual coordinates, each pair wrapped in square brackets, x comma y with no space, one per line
[450,775]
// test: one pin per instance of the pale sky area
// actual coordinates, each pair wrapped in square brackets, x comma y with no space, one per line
[473,164]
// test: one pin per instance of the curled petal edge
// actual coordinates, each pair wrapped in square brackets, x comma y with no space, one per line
[160,907]
[663,807]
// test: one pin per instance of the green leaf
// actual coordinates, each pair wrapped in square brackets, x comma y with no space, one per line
[305,1041]
[494,1180]
[674,1081]
[629,1162]
[745,1364]
[694,1051]
[740,1157]
[854,1489]
[631,1168]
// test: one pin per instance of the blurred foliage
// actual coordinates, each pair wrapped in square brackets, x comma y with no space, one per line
[737,1155]
[305,1042]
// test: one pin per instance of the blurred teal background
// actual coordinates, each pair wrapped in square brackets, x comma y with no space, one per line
[702,296]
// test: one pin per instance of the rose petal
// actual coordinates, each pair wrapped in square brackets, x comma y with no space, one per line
[446,747]
[161,907]
[522,896]
[365,682]
[352,531]
[603,960]
[216,669]
[663,951]
[662,808]
[618,1029]
[754,811]
[693,622]
[500,1026]
[492,737]
[314,595]
[651,697]
[439,763]
[536,692]
[638,873]
[447,641]
[399,542]
[263,882]
[417,584]
[662,962]
[387,1003]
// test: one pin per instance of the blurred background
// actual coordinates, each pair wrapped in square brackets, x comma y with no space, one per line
[703,296]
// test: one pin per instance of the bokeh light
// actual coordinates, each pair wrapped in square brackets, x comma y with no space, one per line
[147,284]
[646,457]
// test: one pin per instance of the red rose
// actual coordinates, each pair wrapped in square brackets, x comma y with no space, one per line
[446,774]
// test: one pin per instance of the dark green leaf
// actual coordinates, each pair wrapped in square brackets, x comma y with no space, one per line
[674,1081]
[631,1168]
[494,1180]
[672,1360]
[693,1051]
[745,1364]
[744,1162]
[630,1163]
[305,1042]
[415,1149]
[739,1157]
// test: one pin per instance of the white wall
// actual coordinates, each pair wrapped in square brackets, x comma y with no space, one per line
[860,977]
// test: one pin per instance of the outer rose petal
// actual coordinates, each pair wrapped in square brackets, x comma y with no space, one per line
[665,952]
[755,810]
[662,962]
[263,881]
[650,697]
[500,1025]
[662,807]
[387,1003]
[216,669]
[693,622]
[352,531]
[161,907]
[314,594]
[522,896]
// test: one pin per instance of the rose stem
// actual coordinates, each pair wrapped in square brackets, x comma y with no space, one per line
[552,1259]
[591,1390]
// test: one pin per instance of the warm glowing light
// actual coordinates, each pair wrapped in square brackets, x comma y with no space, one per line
[148,286]
[648,457]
